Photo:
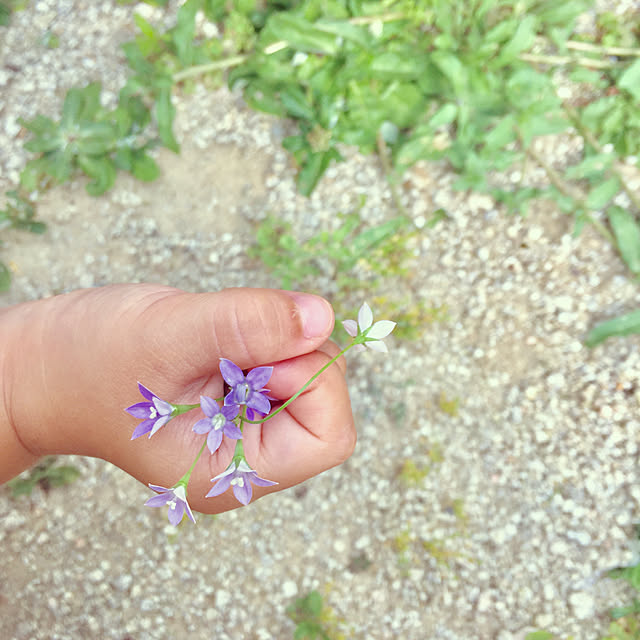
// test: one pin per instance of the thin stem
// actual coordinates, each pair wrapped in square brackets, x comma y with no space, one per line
[564,60]
[210,66]
[302,389]
[607,51]
[185,478]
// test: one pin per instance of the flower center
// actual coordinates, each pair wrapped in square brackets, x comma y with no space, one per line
[218,421]
[153,413]
[238,481]
[172,503]
[242,392]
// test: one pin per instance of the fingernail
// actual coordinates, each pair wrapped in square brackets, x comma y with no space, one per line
[316,314]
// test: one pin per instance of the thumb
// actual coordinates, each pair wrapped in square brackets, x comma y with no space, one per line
[248,326]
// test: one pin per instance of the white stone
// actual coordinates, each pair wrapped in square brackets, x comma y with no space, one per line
[583,604]
[289,589]
[223,598]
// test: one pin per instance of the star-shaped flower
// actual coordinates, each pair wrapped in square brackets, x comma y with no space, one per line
[238,475]
[175,498]
[217,422]
[155,413]
[371,336]
[247,390]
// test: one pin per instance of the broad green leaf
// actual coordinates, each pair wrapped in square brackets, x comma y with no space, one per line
[315,165]
[630,574]
[621,326]
[522,40]
[627,233]
[502,133]
[371,238]
[591,167]
[5,277]
[44,144]
[630,80]
[392,65]
[301,34]
[539,635]
[96,138]
[90,102]
[446,114]
[295,102]
[72,108]
[184,31]
[101,170]
[360,35]
[165,113]
[144,167]
[601,195]
[453,69]
[40,125]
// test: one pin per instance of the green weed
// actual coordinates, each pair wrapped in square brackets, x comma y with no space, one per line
[46,474]
[314,619]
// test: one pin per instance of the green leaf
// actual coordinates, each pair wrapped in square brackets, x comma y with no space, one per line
[184,31]
[5,277]
[102,171]
[539,635]
[165,113]
[301,34]
[601,195]
[144,167]
[71,108]
[316,164]
[522,40]
[630,80]
[446,114]
[295,102]
[627,233]
[621,326]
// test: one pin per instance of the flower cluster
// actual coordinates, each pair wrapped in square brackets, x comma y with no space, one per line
[247,399]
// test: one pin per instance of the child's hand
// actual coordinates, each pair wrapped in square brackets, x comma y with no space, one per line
[71,364]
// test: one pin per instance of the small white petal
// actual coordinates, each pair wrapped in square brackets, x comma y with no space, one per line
[351,327]
[376,345]
[365,317]
[381,329]
[243,467]
[180,493]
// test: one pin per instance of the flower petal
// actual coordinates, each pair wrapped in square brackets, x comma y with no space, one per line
[202,426]
[230,411]
[164,408]
[145,392]
[258,402]
[214,440]
[243,493]
[381,329]
[209,406]
[176,513]
[220,486]
[351,327]
[231,372]
[259,376]
[365,316]
[142,428]
[139,410]
[160,422]
[229,401]
[159,500]
[232,431]
[189,512]
[377,345]
[159,489]
[261,482]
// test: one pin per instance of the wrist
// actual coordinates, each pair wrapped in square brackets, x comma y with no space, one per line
[16,454]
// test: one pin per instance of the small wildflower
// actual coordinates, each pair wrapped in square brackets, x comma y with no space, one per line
[156,413]
[217,422]
[238,475]
[247,390]
[175,498]
[371,335]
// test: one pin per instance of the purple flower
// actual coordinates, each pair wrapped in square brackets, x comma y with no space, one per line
[247,390]
[176,498]
[217,422]
[238,475]
[372,335]
[156,413]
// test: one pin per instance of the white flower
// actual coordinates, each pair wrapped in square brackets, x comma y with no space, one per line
[372,335]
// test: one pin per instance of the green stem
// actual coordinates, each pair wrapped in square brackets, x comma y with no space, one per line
[606,51]
[593,63]
[210,66]
[184,481]
[303,388]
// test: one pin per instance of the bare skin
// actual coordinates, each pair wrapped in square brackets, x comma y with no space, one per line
[70,364]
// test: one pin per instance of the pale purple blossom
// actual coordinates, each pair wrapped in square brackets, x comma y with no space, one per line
[240,476]
[155,413]
[217,422]
[247,390]
[175,498]
[372,335]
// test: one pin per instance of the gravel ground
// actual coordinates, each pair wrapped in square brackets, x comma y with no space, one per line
[533,485]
